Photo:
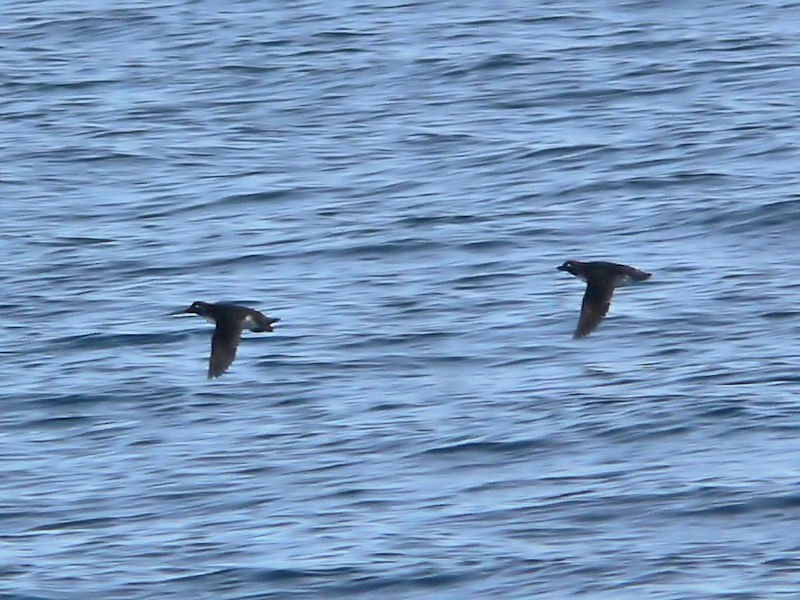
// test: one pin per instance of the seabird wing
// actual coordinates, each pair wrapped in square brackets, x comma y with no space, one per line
[224,343]
[595,305]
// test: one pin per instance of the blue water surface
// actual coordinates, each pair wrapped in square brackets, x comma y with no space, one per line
[397,181]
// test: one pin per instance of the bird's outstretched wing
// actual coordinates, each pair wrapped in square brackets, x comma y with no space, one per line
[595,305]
[223,346]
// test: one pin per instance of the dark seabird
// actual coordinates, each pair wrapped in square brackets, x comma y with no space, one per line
[601,279]
[230,320]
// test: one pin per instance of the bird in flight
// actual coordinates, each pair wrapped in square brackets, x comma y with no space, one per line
[230,320]
[601,278]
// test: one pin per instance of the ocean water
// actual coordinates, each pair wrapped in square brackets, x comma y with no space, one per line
[397,181]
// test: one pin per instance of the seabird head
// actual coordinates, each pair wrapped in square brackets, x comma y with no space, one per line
[197,308]
[570,266]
